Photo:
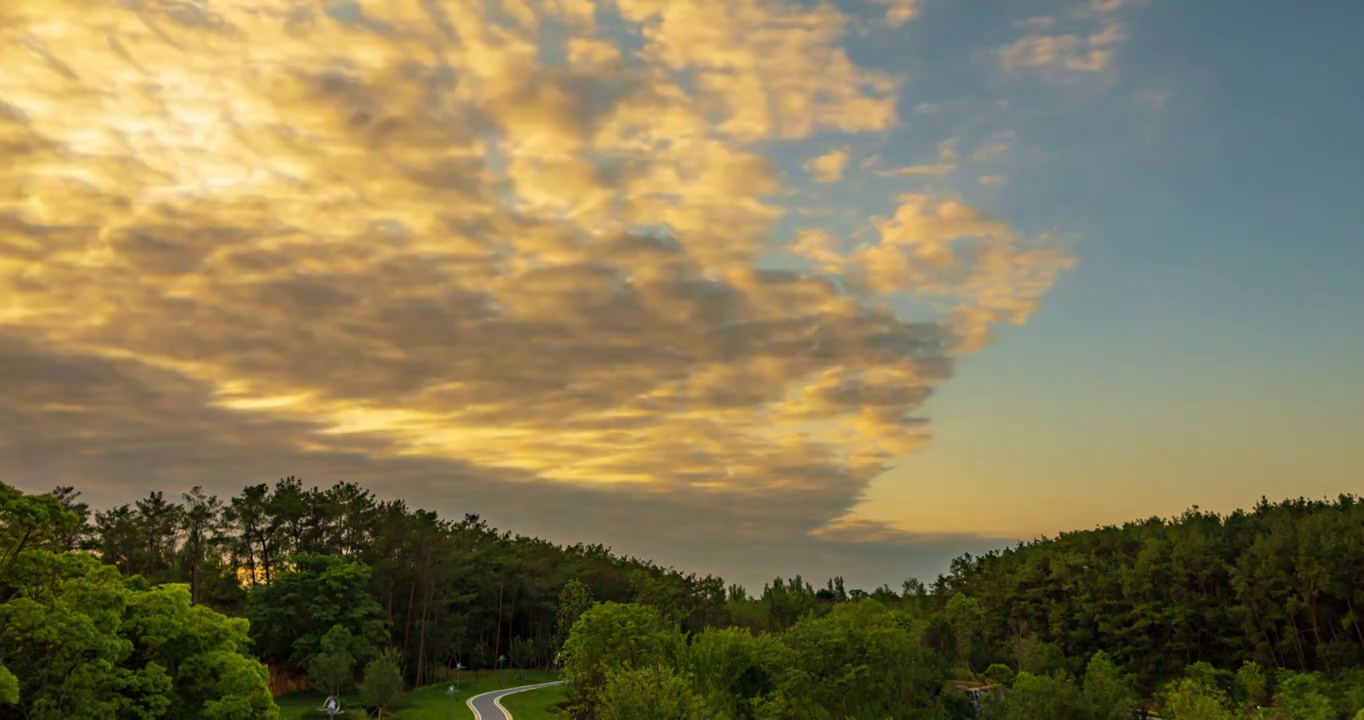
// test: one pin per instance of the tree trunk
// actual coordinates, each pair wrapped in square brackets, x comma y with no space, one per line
[497,637]
[1297,642]
[194,574]
[407,618]
[1358,633]
[426,603]
[1316,629]
[1264,631]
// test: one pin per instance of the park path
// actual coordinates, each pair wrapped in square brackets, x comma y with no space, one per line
[488,705]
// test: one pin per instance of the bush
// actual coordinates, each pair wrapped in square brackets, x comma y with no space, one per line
[1001,674]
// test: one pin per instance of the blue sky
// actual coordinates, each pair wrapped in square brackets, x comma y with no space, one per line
[1215,322]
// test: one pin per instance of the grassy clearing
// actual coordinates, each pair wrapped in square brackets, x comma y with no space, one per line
[426,703]
[535,704]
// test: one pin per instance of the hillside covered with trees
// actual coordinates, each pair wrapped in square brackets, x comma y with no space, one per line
[204,607]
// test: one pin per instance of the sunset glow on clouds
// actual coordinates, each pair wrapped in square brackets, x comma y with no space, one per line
[534,251]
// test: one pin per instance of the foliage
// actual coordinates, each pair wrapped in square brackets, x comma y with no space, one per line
[1197,699]
[82,642]
[29,522]
[1254,684]
[613,636]
[332,667]
[1107,692]
[861,660]
[651,693]
[1278,585]
[734,668]
[1043,697]
[1202,614]
[382,686]
[320,593]
[1001,674]
[9,687]
[574,600]
[1302,697]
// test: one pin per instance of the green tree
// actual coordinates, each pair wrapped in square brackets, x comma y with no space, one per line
[861,660]
[204,653]
[82,641]
[9,687]
[30,522]
[1043,697]
[290,614]
[1254,683]
[734,668]
[1195,699]
[1107,692]
[967,618]
[612,636]
[1001,674]
[521,654]
[574,599]
[1303,696]
[332,668]
[652,693]
[382,686]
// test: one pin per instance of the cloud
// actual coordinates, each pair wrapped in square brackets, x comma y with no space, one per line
[394,242]
[862,530]
[992,179]
[829,167]
[1061,54]
[994,146]
[946,163]
[766,68]
[1154,99]
[978,269]
[1105,7]
[1041,22]
[899,12]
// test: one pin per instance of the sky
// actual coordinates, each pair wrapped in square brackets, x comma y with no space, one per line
[748,287]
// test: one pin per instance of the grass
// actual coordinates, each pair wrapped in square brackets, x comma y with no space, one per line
[425,703]
[535,704]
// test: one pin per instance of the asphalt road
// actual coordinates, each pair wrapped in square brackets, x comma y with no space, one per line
[486,706]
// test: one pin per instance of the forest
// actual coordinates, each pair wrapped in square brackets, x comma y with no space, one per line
[214,608]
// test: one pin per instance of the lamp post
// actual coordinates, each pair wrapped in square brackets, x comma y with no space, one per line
[332,706]
[555,663]
[458,667]
[452,691]
[500,680]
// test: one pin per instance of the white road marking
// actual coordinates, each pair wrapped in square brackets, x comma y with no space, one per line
[499,694]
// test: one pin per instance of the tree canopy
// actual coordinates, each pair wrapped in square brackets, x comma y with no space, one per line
[195,608]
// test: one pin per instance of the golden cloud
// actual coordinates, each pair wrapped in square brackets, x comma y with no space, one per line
[945,164]
[899,12]
[994,146]
[1068,53]
[829,167]
[395,230]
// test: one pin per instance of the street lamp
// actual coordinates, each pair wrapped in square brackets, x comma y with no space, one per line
[332,707]
[500,680]
[555,663]
[458,666]
[452,691]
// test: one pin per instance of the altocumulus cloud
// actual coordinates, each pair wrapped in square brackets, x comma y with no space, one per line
[511,257]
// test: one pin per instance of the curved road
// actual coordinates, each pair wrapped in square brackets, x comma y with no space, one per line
[488,705]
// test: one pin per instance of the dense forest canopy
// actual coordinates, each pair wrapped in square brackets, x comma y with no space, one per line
[199,607]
